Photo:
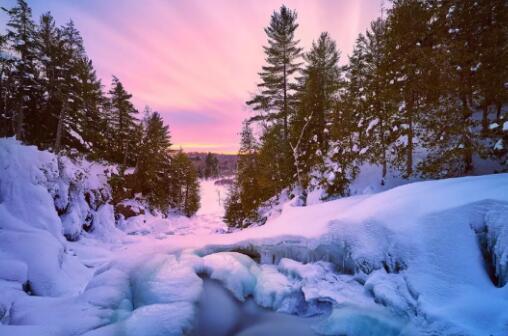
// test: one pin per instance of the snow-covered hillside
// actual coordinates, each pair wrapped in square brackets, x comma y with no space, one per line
[427,258]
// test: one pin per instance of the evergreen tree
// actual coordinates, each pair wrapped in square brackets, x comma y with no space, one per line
[93,115]
[121,122]
[247,193]
[276,100]
[318,90]
[211,166]
[69,128]
[408,38]
[50,54]
[233,213]
[282,54]
[374,109]
[460,88]
[6,88]
[185,189]
[26,93]
[491,70]
[275,170]
[152,161]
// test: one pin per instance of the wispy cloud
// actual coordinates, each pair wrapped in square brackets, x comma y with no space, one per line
[196,61]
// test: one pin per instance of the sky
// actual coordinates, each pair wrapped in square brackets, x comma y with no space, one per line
[197,61]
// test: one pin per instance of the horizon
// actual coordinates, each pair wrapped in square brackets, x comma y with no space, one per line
[196,63]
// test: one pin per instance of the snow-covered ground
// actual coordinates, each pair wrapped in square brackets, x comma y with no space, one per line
[427,258]
[208,219]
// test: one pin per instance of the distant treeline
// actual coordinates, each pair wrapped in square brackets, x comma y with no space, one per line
[423,95]
[211,165]
[50,96]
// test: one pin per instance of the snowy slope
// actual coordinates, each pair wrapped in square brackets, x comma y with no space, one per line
[426,258]
[208,218]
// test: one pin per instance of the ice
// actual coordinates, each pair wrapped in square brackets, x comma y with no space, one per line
[153,320]
[213,321]
[235,270]
[165,279]
[359,322]
[274,290]
[392,290]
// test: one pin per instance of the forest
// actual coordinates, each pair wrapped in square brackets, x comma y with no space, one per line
[422,96]
[51,97]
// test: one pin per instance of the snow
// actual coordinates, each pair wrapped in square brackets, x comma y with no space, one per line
[235,270]
[422,258]
[372,124]
[208,219]
[499,145]
[493,126]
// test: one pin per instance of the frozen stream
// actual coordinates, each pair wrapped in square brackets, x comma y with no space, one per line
[220,314]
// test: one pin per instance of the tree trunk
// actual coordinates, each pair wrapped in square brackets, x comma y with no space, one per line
[17,122]
[410,135]
[468,146]
[383,154]
[125,152]
[186,201]
[485,119]
[285,112]
[59,128]
[303,188]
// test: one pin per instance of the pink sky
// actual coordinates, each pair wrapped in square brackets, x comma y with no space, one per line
[196,61]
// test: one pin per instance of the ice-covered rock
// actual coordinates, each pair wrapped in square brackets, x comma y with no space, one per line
[235,270]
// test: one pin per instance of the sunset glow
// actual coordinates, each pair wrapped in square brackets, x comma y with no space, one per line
[196,62]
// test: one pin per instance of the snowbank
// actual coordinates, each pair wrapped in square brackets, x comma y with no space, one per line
[30,229]
[432,255]
[44,198]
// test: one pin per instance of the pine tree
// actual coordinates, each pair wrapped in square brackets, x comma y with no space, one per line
[121,122]
[49,52]
[185,189]
[26,95]
[408,37]
[318,89]
[282,54]
[69,129]
[491,73]
[275,170]
[276,100]
[458,89]
[372,108]
[6,88]
[248,174]
[247,193]
[92,120]
[211,166]
[152,161]
[233,213]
